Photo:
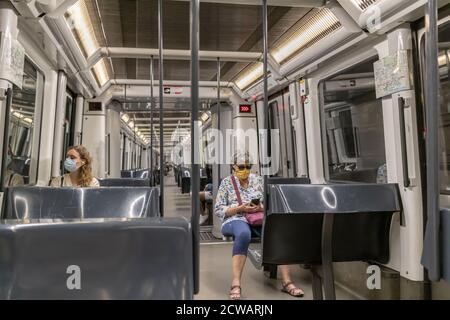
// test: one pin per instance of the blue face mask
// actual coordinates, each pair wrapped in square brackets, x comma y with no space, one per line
[70,165]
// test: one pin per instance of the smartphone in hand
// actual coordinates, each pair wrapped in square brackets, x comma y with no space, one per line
[256,202]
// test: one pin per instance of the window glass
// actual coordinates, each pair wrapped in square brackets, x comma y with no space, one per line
[23,128]
[68,121]
[354,130]
[444,70]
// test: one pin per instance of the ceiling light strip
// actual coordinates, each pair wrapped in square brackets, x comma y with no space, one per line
[318,27]
[364,4]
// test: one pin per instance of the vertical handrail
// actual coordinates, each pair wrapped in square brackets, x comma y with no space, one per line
[266,100]
[195,174]
[161,104]
[151,117]
[108,136]
[219,117]
[9,95]
[63,151]
[404,149]
[432,140]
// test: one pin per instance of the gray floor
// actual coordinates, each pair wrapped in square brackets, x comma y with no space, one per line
[215,263]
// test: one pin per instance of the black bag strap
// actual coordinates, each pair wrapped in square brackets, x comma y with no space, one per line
[62,181]
[236,189]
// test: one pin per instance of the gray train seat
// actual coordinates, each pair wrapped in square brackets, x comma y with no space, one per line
[77,203]
[125,182]
[141,174]
[139,259]
[126,174]
[320,224]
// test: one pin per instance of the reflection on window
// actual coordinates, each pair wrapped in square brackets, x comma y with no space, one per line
[21,131]
[354,127]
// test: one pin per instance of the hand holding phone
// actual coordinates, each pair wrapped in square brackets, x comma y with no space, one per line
[256,202]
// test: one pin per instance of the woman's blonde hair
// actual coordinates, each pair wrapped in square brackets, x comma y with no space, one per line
[86,169]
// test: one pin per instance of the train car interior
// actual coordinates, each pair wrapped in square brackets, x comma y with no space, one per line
[174,149]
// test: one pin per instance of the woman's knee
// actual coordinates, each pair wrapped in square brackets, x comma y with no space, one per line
[243,236]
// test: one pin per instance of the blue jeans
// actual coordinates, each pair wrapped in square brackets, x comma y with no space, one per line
[241,232]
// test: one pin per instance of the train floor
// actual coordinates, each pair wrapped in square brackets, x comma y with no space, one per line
[215,263]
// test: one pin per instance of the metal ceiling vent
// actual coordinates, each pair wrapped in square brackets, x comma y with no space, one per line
[364,4]
[317,28]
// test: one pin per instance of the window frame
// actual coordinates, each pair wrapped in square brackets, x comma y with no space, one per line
[323,127]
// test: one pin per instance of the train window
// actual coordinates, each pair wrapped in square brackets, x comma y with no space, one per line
[353,127]
[444,71]
[24,130]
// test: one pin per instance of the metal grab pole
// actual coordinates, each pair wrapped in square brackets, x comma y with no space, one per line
[161,104]
[5,150]
[219,152]
[432,140]
[152,102]
[195,179]
[266,99]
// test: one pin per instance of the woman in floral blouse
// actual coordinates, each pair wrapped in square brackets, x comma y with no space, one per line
[235,224]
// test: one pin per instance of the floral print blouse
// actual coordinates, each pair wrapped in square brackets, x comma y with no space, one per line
[226,196]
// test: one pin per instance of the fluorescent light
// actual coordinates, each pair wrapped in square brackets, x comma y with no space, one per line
[131,124]
[18,115]
[315,29]
[364,4]
[253,74]
[79,21]
[101,72]
[443,59]
[125,117]
[205,116]
[81,24]
[29,120]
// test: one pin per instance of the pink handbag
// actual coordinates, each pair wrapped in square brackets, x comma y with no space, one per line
[254,219]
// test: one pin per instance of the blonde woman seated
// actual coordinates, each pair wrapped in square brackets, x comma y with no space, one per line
[78,164]
[234,223]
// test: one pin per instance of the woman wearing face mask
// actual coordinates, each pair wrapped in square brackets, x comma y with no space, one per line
[78,164]
[235,225]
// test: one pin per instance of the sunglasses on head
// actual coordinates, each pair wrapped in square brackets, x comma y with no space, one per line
[244,166]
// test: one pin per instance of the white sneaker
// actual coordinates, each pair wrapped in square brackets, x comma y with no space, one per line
[203,219]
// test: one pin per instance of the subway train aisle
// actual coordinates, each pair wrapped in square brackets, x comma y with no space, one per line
[176,204]
[215,262]
[215,277]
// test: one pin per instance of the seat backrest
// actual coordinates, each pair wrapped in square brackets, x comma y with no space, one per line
[185,172]
[77,203]
[124,182]
[288,181]
[141,174]
[292,230]
[138,259]
[126,174]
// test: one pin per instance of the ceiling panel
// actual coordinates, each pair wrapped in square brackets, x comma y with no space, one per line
[224,27]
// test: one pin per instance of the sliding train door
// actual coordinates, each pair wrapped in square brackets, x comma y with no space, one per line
[280,120]
[440,289]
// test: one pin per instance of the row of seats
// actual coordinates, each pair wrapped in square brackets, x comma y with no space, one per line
[320,224]
[94,243]
[183,178]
